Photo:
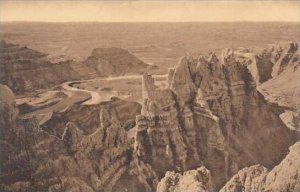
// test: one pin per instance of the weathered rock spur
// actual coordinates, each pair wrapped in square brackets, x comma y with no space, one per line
[211,115]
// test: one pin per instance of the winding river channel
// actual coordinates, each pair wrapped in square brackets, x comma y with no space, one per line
[96,98]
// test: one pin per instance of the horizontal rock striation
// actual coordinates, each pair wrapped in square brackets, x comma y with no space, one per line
[211,115]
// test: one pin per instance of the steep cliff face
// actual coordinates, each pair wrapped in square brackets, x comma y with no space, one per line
[158,138]
[210,114]
[271,62]
[102,160]
[114,62]
[253,132]
[282,178]
[276,72]
[217,116]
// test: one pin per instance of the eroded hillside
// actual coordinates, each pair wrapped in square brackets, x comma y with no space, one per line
[212,125]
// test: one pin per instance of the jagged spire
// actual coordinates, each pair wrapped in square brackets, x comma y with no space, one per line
[147,85]
[182,73]
[182,83]
[226,55]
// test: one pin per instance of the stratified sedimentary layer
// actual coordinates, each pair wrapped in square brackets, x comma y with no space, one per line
[211,115]
[219,119]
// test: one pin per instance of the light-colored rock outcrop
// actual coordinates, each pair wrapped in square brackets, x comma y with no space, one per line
[198,180]
[159,141]
[248,179]
[282,178]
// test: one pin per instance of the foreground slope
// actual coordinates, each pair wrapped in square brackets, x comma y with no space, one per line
[282,178]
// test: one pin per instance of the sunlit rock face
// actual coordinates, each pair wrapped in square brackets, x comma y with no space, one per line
[159,141]
[198,180]
[282,55]
[219,118]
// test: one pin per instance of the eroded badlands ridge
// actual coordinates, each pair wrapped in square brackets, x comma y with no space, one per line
[211,115]
[26,70]
[283,177]
[80,159]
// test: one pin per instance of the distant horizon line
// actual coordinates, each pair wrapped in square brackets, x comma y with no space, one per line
[246,21]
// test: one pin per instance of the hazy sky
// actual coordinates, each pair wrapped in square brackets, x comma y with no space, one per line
[150,11]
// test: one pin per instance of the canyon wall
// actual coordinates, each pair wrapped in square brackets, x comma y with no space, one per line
[101,159]
[284,177]
[211,115]
[214,114]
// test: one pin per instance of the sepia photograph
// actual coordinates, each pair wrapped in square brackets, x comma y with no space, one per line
[149,96]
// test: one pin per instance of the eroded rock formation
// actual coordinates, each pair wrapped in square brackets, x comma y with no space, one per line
[87,117]
[198,180]
[276,71]
[114,62]
[211,115]
[24,69]
[36,160]
[282,178]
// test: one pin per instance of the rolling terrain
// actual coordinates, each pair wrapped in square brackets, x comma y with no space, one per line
[144,107]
